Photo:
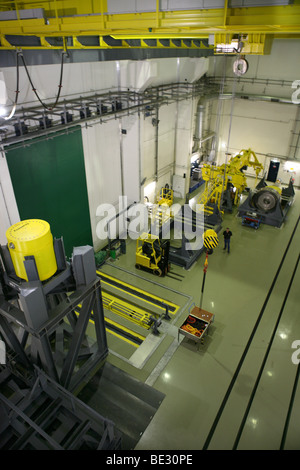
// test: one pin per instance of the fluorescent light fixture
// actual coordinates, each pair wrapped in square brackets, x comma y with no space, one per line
[292,166]
[150,188]
[233,47]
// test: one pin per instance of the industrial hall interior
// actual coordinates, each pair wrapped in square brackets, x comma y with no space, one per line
[149,225]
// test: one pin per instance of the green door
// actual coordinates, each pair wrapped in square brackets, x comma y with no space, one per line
[49,182]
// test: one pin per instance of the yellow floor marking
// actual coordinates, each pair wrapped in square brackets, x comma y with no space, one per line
[167,302]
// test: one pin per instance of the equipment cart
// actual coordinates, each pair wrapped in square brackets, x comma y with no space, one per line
[251,221]
[196,324]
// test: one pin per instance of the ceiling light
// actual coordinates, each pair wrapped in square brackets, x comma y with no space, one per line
[150,187]
[234,47]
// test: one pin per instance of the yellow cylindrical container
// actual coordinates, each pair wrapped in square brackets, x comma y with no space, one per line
[32,237]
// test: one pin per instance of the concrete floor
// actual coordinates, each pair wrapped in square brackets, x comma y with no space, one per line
[233,392]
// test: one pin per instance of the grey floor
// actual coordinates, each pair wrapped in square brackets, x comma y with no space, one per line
[238,390]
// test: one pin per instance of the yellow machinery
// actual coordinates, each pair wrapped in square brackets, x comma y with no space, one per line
[266,204]
[152,254]
[166,196]
[32,237]
[218,179]
[161,212]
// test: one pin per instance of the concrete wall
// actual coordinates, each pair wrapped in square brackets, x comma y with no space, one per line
[9,214]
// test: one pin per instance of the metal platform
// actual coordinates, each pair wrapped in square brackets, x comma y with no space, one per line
[129,403]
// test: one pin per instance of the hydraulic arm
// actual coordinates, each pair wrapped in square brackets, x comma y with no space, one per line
[218,178]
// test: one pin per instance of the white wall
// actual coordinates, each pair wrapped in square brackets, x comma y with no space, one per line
[89,77]
[184,138]
[163,151]
[9,213]
[148,149]
[266,127]
[130,150]
[166,142]
[101,146]
[78,78]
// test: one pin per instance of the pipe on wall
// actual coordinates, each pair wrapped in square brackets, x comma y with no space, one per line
[199,125]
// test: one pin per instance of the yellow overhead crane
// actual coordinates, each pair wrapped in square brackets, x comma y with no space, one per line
[73,20]
[217,179]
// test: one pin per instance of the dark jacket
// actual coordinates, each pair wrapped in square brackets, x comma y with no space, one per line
[227,235]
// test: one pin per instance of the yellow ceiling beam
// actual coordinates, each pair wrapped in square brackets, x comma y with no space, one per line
[102,44]
[267,20]
[75,19]
[136,35]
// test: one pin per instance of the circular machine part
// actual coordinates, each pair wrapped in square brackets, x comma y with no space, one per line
[266,199]
[32,237]
[240,67]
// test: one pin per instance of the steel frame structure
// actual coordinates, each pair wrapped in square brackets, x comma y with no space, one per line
[60,343]
[46,324]
[99,106]
[36,413]
[55,338]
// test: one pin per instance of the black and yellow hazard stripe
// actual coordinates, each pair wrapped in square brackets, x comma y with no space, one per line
[118,330]
[210,242]
[125,334]
[138,293]
[210,239]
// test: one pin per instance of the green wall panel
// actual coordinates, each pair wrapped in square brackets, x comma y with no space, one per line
[49,182]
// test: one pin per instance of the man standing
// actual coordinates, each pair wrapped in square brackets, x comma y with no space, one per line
[227,234]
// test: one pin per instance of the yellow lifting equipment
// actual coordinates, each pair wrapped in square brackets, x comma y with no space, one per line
[166,196]
[217,178]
